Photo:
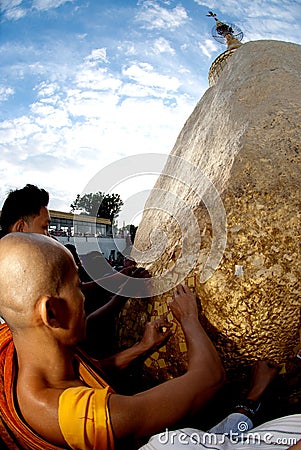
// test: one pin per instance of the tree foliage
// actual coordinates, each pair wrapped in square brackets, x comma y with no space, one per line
[99,204]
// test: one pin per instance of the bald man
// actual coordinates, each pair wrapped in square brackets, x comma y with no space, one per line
[50,395]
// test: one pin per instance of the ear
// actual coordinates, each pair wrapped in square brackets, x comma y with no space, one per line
[18,226]
[53,312]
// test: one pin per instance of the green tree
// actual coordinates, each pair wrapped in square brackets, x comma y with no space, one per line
[105,206]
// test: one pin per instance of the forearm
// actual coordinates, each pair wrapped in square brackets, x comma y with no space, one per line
[161,407]
[204,364]
[202,355]
[122,359]
[201,351]
[168,402]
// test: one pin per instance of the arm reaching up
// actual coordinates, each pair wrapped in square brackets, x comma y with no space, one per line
[155,334]
[153,410]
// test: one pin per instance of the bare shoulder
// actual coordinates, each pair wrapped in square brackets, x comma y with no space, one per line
[39,408]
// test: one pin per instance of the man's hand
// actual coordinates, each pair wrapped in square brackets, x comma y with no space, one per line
[184,304]
[133,271]
[156,333]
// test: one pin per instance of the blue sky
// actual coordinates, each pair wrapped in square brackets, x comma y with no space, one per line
[84,83]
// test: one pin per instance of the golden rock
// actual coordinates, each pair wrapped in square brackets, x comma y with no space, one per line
[242,253]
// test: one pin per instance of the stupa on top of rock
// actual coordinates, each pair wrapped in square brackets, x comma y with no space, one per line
[228,34]
[228,205]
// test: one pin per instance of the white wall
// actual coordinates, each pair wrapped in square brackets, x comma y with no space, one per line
[85,245]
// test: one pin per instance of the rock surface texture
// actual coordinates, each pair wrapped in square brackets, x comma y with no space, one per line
[244,137]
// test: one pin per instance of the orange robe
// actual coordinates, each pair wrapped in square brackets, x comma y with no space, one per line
[92,398]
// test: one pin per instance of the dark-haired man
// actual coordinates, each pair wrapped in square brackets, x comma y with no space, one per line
[25,210]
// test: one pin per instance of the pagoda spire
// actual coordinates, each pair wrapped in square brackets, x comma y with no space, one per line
[229,35]
[225,31]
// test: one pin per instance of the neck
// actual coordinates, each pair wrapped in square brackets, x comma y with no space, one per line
[45,370]
[43,358]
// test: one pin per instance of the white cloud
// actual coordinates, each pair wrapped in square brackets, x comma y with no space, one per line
[97,55]
[127,48]
[46,89]
[5,93]
[17,9]
[8,4]
[275,9]
[110,125]
[96,79]
[144,74]
[136,90]
[15,14]
[153,16]
[91,104]
[161,45]
[82,36]
[12,10]
[86,113]
[44,5]
[20,128]
[208,48]
[48,116]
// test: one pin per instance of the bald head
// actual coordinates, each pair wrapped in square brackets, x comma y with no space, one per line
[31,266]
